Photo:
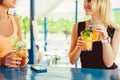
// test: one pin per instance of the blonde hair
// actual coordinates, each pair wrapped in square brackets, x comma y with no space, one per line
[105,12]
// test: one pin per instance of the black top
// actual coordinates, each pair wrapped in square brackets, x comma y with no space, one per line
[93,59]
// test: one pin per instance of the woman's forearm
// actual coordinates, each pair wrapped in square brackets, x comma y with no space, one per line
[108,54]
[74,55]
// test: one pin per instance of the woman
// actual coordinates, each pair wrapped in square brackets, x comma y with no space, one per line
[38,54]
[104,51]
[9,28]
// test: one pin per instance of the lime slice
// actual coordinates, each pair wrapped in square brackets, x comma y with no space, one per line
[13,40]
[20,43]
[86,33]
[17,44]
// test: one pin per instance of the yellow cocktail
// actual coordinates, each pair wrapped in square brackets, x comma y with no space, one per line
[88,36]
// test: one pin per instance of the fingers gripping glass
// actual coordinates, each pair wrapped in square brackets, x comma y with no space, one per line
[20,50]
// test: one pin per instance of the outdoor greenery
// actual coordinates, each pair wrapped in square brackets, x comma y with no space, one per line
[117,17]
[55,26]
[25,24]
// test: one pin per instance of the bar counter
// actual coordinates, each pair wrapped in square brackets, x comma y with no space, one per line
[58,73]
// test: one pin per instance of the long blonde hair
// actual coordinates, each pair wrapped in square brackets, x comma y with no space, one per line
[105,12]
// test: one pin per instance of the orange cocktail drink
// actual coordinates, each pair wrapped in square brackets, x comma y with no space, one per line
[88,37]
[20,50]
[23,54]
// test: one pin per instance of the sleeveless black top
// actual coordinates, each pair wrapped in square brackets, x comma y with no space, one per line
[93,59]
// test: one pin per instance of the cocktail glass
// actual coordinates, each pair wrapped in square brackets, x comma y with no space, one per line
[23,54]
[20,50]
[87,39]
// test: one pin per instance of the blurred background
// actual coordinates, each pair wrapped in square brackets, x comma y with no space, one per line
[52,24]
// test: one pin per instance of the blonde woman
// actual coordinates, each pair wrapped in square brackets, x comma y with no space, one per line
[104,50]
[9,27]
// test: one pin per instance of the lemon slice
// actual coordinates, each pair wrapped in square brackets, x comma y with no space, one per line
[95,36]
[90,34]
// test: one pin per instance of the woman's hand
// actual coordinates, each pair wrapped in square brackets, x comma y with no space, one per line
[101,29]
[10,61]
[80,43]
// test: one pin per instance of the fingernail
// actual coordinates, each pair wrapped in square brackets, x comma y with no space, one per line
[20,58]
[19,62]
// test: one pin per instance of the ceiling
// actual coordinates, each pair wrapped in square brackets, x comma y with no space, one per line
[53,8]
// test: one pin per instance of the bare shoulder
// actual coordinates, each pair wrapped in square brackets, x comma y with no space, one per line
[75,25]
[74,29]
[17,22]
[74,32]
[19,33]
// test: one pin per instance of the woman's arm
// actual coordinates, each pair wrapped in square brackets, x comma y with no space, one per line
[9,61]
[110,50]
[75,50]
[19,33]
[39,57]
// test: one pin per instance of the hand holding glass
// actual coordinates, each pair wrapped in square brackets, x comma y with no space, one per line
[20,50]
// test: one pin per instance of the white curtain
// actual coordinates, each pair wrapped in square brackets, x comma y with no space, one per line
[43,7]
[53,8]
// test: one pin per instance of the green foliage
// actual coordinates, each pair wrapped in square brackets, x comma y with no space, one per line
[56,26]
[25,25]
[117,17]
[40,25]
